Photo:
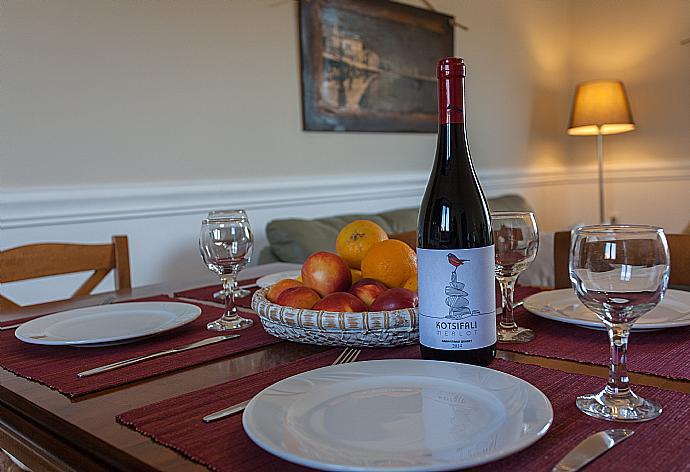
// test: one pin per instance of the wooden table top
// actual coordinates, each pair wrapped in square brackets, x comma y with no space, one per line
[48,431]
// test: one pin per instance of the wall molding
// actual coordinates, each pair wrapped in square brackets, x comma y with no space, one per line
[40,206]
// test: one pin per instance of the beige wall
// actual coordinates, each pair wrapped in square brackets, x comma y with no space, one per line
[97,92]
[638,42]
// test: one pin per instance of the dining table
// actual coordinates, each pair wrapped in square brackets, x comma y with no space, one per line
[50,431]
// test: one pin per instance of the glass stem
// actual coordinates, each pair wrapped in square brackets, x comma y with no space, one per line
[507,288]
[618,383]
[228,284]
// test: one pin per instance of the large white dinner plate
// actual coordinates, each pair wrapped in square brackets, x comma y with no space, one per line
[268,280]
[563,305]
[107,323]
[397,415]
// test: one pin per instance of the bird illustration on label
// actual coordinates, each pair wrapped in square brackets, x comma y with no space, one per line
[457,301]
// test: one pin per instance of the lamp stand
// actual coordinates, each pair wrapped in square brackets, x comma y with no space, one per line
[600,157]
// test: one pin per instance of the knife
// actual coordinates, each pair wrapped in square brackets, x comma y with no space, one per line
[591,448]
[134,360]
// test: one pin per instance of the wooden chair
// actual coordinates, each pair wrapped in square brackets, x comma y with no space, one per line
[409,237]
[678,246]
[42,260]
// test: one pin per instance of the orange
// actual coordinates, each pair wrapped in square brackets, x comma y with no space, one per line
[391,261]
[411,283]
[355,239]
[356,275]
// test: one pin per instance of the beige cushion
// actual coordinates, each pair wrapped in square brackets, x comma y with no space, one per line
[292,240]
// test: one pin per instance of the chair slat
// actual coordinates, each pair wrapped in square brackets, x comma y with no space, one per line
[91,283]
[122,274]
[42,260]
[7,304]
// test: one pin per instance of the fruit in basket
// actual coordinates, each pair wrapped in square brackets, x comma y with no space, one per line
[391,261]
[340,301]
[395,299]
[298,297]
[411,283]
[326,273]
[355,240]
[279,287]
[356,275]
[367,290]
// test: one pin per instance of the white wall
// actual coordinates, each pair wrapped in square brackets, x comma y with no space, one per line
[137,117]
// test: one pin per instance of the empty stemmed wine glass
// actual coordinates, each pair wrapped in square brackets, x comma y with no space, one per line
[226,245]
[619,272]
[517,240]
[216,214]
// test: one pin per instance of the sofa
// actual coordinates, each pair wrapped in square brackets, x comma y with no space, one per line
[293,239]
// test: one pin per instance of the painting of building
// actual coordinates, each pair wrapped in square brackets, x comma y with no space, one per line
[369,65]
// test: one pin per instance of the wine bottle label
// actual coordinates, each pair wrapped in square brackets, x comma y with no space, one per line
[457,298]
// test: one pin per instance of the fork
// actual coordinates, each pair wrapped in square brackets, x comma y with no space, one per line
[348,355]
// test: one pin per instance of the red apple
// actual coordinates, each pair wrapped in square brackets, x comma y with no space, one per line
[340,301]
[326,273]
[367,290]
[279,287]
[298,297]
[395,299]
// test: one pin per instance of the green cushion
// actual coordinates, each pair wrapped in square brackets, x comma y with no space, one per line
[292,240]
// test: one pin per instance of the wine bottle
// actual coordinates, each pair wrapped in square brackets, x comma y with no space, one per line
[455,247]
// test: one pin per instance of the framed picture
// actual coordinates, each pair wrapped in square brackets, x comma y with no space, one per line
[370,65]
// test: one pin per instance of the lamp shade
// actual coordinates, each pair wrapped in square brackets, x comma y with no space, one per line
[600,107]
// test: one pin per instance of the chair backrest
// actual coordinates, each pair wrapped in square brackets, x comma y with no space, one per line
[678,246]
[42,260]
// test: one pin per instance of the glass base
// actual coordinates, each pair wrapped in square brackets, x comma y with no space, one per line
[622,407]
[229,324]
[514,335]
[239,293]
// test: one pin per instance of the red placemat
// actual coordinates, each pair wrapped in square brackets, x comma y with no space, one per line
[57,366]
[657,445]
[663,352]
[206,293]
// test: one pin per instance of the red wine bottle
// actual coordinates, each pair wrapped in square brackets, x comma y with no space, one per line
[455,247]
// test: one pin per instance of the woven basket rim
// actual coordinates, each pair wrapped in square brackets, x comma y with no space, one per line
[260,296]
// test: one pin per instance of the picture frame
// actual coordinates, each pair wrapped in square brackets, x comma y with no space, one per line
[370,65]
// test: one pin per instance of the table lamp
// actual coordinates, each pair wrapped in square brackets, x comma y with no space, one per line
[600,107]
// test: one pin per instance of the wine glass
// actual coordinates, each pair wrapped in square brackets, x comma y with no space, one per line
[226,245]
[619,272]
[516,239]
[219,214]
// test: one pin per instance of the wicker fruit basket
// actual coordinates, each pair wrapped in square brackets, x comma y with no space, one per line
[328,328]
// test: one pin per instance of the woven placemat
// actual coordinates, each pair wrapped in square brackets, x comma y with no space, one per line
[57,366]
[663,352]
[657,445]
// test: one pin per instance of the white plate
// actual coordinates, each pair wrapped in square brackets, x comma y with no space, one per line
[563,305]
[268,280]
[107,323]
[397,415]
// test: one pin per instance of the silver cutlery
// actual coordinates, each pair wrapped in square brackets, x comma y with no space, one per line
[348,355]
[107,301]
[135,360]
[591,448]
